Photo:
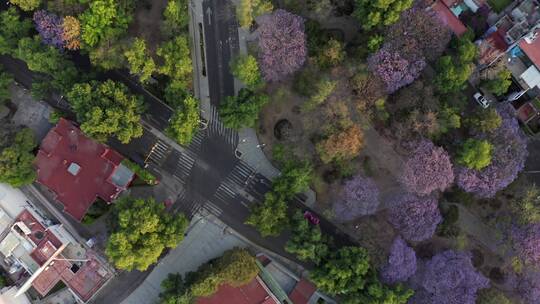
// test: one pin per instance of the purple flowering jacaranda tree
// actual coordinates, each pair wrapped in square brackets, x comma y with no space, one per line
[448,278]
[394,70]
[282,44]
[508,159]
[401,263]
[526,241]
[50,28]
[427,169]
[360,196]
[416,218]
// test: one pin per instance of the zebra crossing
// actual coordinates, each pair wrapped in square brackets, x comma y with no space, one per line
[237,181]
[179,165]
[158,153]
[216,128]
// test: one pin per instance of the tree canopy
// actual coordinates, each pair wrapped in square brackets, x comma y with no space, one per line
[236,267]
[416,218]
[107,109]
[140,63]
[378,13]
[142,229]
[248,10]
[176,18]
[307,241]
[360,196]
[16,160]
[342,145]
[282,44]
[344,271]
[102,20]
[500,84]
[176,60]
[270,217]
[475,154]
[427,169]
[12,29]
[242,110]
[246,69]
[401,263]
[27,5]
[185,121]
[5,81]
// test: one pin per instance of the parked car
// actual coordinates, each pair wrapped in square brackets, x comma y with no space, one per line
[481,100]
[311,218]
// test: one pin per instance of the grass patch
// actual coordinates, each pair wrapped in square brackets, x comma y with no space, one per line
[499,5]
[142,173]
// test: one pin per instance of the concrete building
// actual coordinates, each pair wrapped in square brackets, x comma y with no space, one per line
[39,255]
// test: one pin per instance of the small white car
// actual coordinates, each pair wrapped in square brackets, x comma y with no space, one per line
[482,101]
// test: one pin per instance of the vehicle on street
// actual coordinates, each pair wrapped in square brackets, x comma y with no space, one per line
[481,100]
[311,218]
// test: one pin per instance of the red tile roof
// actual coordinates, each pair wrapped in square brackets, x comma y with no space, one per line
[531,50]
[302,292]
[64,145]
[252,293]
[448,18]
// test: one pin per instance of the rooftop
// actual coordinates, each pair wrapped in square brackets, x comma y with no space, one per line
[255,292]
[78,169]
[531,49]
[448,18]
[47,254]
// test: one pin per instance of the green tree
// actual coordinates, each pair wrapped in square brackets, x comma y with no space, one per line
[475,154]
[103,20]
[236,267]
[345,271]
[139,61]
[242,110]
[375,13]
[294,178]
[492,296]
[176,61]
[448,118]
[246,69]
[377,293]
[176,18]
[185,121]
[248,10]
[41,58]
[330,54]
[107,109]
[5,81]
[16,160]
[466,50]
[320,93]
[484,120]
[527,206]
[270,217]
[12,29]
[175,290]
[142,229]
[27,5]
[450,77]
[500,84]
[307,241]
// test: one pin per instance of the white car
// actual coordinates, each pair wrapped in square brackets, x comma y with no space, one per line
[482,101]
